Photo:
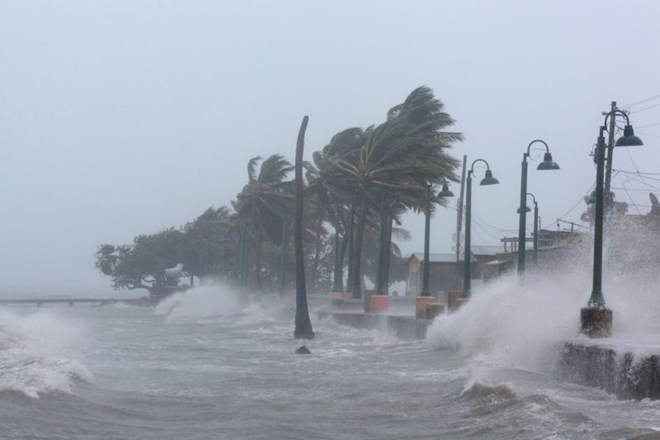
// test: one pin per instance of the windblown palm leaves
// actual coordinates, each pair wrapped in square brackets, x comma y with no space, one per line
[264,202]
[396,159]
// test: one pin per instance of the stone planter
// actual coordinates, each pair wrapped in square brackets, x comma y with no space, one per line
[379,303]
[420,305]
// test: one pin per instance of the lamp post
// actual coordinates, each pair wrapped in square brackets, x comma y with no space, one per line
[596,319]
[445,192]
[487,180]
[547,164]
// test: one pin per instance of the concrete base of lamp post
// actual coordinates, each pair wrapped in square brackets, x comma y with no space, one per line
[366,298]
[420,305]
[455,300]
[433,310]
[596,322]
[379,303]
[460,302]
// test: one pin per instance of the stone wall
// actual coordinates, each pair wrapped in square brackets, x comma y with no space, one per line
[623,374]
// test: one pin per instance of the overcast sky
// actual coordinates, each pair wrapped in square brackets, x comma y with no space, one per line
[125,117]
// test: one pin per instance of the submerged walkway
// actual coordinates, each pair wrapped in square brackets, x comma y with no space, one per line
[72,301]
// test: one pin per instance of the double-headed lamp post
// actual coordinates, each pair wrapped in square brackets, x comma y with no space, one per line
[444,193]
[467,261]
[596,319]
[547,164]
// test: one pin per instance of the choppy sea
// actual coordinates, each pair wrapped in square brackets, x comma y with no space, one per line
[203,365]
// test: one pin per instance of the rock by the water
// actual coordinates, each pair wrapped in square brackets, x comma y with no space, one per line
[303,350]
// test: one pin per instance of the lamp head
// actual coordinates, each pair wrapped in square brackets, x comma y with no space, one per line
[397,205]
[628,139]
[526,210]
[548,163]
[489,179]
[445,192]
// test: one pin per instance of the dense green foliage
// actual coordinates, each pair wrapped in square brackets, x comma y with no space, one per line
[249,244]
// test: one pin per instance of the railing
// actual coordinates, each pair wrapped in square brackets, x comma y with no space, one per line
[72,301]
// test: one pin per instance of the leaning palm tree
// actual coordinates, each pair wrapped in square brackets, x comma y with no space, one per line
[399,159]
[263,202]
[303,325]
[327,194]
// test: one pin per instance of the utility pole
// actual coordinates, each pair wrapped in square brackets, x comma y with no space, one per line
[459,220]
[610,152]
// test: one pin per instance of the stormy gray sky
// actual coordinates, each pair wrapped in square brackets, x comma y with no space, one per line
[126,117]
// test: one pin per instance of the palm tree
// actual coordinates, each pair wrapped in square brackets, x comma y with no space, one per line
[326,190]
[303,325]
[400,157]
[263,202]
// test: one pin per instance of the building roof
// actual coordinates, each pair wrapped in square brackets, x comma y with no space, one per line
[439,258]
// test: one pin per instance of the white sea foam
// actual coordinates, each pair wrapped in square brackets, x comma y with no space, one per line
[213,300]
[39,353]
[522,325]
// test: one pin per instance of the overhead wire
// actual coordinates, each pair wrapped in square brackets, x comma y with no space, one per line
[646,108]
[643,101]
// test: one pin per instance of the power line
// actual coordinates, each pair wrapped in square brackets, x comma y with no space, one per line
[648,125]
[643,101]
[637,172]
[646,108]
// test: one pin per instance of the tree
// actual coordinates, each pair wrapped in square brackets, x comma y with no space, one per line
[209,244]
[303,325]
[263,202]
[399,158]
[142,264]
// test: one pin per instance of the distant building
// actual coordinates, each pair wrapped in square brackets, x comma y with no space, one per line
[445,274]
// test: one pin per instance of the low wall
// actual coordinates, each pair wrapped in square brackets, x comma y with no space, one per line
[403,327]
[623,374]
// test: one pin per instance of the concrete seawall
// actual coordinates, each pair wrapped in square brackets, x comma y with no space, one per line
[622,373]
[403,327]
[617,371]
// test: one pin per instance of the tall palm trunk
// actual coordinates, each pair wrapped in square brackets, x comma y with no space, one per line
[356,282]
[303,325]
[388,253]
[317,247]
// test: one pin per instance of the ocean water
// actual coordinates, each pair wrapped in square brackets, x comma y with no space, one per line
[203,365]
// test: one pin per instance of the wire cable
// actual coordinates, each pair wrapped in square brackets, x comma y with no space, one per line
[643,101]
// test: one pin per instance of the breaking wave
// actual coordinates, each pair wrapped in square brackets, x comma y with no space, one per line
[38,354]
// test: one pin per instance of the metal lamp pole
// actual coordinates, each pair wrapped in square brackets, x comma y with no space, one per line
[536,231]
[547,164]
[596,320]
[427,235]
[467,260]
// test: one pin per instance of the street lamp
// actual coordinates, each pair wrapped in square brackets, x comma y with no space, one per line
[444,193]
[596,319]
[487,180]
[536,226]
[547,164]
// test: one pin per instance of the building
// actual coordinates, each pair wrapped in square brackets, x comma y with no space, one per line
[446,274]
